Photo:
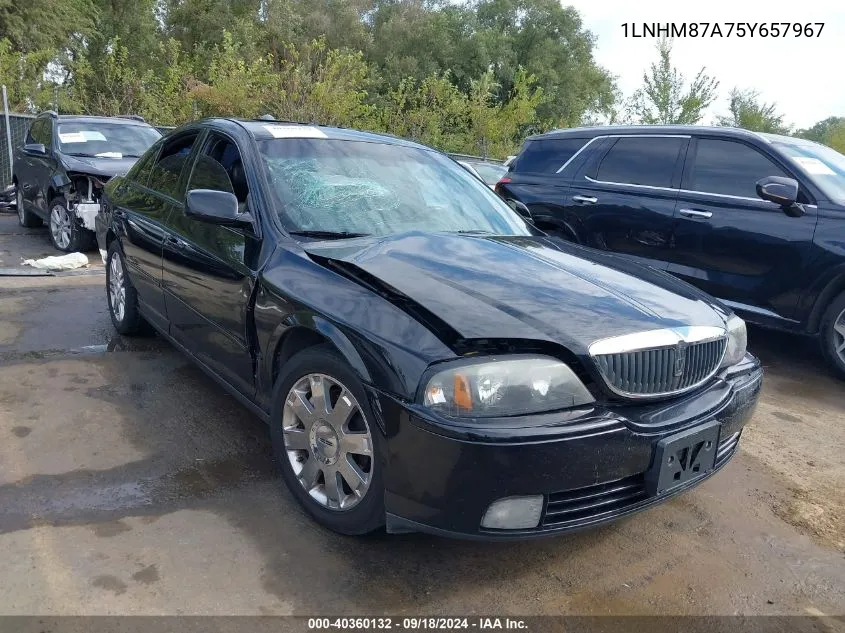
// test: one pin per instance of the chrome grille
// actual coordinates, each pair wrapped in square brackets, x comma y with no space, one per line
[661,371]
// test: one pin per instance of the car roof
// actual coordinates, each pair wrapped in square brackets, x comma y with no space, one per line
[262,129]
[624,130]
[82,118]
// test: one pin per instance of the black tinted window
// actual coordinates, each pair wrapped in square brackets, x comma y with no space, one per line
[165,174]
[40,132]
[729,168]
[219,167]
[547,156]
[641,161]
[140,172]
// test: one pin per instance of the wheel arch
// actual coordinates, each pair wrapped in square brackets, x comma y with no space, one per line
[833,289]
[298,334]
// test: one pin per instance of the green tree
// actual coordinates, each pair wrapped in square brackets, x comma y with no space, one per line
[665,98]
[821,130]
[746,111]
[39,25]
[22,74]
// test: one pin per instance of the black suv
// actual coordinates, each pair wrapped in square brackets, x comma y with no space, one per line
[60,171]
[757,220]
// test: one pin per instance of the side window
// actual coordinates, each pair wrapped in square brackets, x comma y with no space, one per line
[641,161]
[546,156]
[219,167]
[39,132]
[165,174]
[140,172]
[729,168]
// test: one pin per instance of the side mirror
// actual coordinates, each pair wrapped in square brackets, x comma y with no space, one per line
[216,207]
[521,209]
[783,192]
[36,149]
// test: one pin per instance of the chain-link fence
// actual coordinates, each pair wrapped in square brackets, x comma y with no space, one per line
[19,124]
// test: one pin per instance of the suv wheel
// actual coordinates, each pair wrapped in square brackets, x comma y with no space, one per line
[832,335]
[326,442]
[66,231]
[25,218]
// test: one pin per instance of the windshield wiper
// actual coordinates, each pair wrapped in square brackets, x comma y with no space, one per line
[328,235]
[472,232]
[83,154]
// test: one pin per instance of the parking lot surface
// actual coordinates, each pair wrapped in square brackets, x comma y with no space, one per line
[131,484]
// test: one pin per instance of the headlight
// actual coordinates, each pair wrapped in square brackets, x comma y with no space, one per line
[505,387]
[737,341]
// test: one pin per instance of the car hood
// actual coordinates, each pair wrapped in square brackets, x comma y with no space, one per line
[106,167]
[529,288]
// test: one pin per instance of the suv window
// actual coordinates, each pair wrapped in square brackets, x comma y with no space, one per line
[164,177]
[641,161]
[729,168]
[40,132]
[546,156]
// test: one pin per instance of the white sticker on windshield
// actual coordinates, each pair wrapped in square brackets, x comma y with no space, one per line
[294,131]
[813,166]
[81,136]
[109,155]
[72,137]
[91,135]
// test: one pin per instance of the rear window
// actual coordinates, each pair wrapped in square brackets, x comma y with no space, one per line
[546,156]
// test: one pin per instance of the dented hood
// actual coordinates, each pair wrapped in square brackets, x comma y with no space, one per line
[532,288]
[105,167]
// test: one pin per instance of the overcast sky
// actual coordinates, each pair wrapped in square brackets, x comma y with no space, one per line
[804,76]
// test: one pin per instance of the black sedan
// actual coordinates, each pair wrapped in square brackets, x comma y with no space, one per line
[426,360]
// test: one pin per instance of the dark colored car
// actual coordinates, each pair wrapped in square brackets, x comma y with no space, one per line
[757,220]
[425,358]
[60,171]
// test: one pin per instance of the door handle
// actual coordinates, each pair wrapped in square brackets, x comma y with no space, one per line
[695,213]
[585,199]
[175,241]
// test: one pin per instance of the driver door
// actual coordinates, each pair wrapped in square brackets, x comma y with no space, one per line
[210,270]
[731,243]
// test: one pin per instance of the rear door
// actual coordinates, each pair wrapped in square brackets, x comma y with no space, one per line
[623,199]
[140,213]
[732,244]
[210,270]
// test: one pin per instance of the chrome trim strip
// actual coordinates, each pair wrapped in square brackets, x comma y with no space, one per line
[603,136]
[652,339]
[575,155]
[629,184]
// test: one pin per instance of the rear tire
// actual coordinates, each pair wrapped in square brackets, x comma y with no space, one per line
[314,447]
[25,218]
[121,295]
[832,336]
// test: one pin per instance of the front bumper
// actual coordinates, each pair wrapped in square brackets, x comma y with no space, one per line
[590,466]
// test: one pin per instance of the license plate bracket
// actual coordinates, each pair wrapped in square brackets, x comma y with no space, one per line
[683,457]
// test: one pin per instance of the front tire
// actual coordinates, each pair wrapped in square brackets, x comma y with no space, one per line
[832,335]
[327,442]
[121,294]
[66,231]
[25,218]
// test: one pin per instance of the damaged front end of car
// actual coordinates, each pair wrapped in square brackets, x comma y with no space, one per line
[83,193]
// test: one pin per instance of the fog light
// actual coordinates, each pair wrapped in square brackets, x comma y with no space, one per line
[513,513]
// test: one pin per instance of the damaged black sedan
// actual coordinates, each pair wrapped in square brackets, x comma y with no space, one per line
[425,358]
[65,161]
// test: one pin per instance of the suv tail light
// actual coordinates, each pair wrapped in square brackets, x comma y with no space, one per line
[502,181]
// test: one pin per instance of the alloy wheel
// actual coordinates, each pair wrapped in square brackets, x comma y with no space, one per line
[328,441]
[117,291]
[60,226]
[839,336]
[19,205]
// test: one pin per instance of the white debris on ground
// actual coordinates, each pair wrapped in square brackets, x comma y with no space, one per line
[59,262]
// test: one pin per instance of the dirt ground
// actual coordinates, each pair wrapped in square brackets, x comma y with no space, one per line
[130,484]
